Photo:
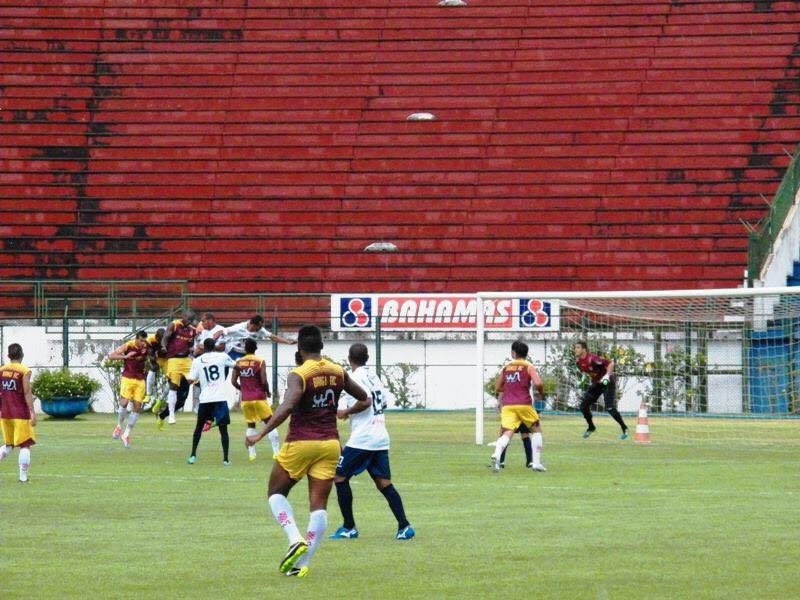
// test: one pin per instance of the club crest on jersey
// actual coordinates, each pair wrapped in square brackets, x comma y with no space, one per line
[534,313]
[356,313]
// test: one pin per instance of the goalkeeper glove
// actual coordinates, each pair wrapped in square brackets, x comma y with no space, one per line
[605,380]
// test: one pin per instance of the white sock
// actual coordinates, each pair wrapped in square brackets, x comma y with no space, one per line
[123,413]
[172,400]
[536,442]
[151,379]
[274,440]
[285,516]
[317,524]
[24,463]
[131,422]
[501,444]
[251,450]
[5,451]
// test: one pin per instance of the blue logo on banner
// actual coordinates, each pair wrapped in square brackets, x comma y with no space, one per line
[534,313]
[355,313]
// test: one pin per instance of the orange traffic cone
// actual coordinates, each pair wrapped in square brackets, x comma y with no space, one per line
[642,426]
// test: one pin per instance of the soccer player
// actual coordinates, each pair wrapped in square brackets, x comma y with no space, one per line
[367,449]
[312,445]
[177,343]
[17,418]
[132,385]
[254,328]
[250,378]
[514,383]
[207,329]
[209,370]
[604,383]
[156,363]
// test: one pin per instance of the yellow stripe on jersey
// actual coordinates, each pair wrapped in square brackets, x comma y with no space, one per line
[312,368]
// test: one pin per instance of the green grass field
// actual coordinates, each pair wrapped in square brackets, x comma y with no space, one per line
[709,510]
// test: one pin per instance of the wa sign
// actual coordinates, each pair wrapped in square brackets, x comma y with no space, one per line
[440,312]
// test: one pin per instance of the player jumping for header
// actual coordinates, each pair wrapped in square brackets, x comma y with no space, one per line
[132,384]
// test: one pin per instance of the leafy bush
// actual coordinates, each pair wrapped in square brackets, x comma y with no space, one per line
[398,380]
[64,383]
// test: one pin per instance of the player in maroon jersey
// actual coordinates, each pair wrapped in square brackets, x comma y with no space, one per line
[134,354]
[603,383]
[17,418]
[312,445]
[178,343]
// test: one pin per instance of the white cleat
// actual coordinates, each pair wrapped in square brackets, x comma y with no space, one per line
[495,465]
[126,441]
[171,420]
[539,468]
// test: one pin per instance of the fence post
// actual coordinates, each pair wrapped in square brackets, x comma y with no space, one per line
[274,356]
[37,302]
[378,362]
[65,336]
[112,304]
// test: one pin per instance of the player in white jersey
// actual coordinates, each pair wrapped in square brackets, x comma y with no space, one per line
[235,335]
[367,449]
[210,369]
[208,328]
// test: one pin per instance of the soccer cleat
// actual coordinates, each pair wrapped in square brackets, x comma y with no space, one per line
[117,433]
[292,556]
[275,457]
[539,468]
[624,435]
[24,480]
[495,465]
[159,404]
[227,463]
[587,433]
[206,426]
[297,572]
[160,424]
[406,533]
[171,420]
[343,533]
[126,441]
[251,453]
[192,459]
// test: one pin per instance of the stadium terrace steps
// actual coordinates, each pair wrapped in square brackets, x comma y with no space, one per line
[595,144]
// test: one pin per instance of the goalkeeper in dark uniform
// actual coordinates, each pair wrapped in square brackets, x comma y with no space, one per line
[604,383]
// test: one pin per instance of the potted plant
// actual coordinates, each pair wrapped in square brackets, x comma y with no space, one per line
[64,394]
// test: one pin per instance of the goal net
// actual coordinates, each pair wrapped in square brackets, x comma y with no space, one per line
[695,359]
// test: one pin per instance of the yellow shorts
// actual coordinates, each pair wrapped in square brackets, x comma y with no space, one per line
[162,365]
[17,432]
[310,457]
[132,389]
[177,368]
[512,417]
[256,410]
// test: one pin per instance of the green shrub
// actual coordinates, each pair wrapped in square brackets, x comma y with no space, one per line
[63,383]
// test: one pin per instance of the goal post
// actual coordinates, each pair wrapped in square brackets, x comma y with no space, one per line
[725,353]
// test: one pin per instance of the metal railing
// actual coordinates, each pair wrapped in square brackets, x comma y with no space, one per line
[108,300]
[766,232]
